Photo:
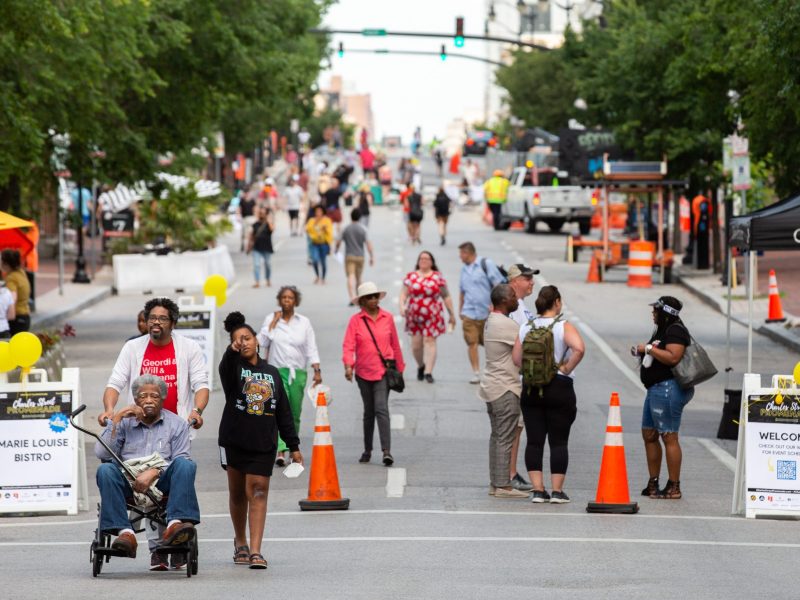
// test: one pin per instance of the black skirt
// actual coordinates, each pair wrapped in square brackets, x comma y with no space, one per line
[246,461]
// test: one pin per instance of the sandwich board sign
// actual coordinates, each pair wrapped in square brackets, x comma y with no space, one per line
[197,321]
[768,453]
[42,458]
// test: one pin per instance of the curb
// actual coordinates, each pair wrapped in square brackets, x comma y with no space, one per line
[775,332]
[55,317]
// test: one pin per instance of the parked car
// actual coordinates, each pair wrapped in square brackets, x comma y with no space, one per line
[478,142]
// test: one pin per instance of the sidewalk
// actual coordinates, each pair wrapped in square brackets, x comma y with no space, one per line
[53,308]
[707,286]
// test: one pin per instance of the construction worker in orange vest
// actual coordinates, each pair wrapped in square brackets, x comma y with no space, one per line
[495,190]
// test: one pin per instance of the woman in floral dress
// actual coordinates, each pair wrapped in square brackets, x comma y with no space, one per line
[424,291]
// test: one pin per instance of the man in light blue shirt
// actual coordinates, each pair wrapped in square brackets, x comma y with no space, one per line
[478,277]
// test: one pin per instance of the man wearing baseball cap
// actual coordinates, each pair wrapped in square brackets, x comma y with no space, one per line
[520,278]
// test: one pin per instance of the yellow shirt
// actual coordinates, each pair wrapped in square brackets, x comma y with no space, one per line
[320,230]
[17,282]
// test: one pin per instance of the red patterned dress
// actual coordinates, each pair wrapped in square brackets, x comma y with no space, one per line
[425,314]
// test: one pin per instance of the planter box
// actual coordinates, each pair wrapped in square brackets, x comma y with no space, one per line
[187,271]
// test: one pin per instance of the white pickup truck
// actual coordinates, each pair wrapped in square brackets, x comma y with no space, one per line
[552,205]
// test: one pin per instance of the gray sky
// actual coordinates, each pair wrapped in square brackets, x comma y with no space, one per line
[411,90]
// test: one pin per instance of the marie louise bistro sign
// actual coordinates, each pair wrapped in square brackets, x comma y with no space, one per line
[39,449]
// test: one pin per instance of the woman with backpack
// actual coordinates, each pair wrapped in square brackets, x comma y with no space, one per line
[547,351]
[665,399]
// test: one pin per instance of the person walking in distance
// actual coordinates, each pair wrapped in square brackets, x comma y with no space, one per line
[293,196]
[665,399]
[548,398]
[320,234]
[424,290]
[495,190]
[355,240]
[500,389]
[260,246]
[478,277]
[441,207]
[364,202]
[520,277]
[370,335]
[17,283]
[256,410]
[413,206]
[290,345]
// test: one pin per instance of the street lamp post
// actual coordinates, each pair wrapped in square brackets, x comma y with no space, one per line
[80,275]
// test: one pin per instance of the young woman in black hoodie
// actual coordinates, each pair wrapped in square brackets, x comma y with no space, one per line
[256,410]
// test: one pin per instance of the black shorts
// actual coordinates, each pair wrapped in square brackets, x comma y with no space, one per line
[252,463]
[294,213]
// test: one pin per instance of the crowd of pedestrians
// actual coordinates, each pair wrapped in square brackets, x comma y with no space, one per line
[526,380]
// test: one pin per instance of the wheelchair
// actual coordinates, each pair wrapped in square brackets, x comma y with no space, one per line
[153,515]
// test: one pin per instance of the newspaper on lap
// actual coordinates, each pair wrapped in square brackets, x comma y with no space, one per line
[143,463]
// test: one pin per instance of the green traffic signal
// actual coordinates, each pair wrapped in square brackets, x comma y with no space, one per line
[459,37]
[443,53]
[459,41]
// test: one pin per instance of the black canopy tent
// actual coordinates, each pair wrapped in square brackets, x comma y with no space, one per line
[776,227]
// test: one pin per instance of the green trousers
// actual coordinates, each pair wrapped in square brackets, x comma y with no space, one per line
[294,391]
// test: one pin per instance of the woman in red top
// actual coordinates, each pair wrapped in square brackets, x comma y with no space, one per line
[360,355]
[424,291]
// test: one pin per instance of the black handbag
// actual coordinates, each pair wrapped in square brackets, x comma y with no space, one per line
[394,378]
[695,366]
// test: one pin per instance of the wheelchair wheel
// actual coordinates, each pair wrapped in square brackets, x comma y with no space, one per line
[191,563]
[96,560]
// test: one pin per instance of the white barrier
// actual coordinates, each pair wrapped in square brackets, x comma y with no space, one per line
[185,271]
[42,458]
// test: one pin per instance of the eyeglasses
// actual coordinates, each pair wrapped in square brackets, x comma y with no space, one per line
[145,395]
[160,319]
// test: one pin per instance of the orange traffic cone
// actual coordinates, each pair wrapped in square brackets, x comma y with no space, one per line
[488,218]
[517,225]
[612,489]
[775,314]
[323,485]
[594,270]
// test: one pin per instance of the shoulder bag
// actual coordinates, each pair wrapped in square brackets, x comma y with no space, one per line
[695,366]
[394,378]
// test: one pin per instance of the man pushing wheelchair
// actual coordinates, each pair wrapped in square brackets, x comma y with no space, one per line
[155,445]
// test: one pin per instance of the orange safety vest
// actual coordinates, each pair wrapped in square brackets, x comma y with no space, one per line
[496,190]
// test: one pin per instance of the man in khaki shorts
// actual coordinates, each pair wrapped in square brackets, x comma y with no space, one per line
[478,277]
[355,240]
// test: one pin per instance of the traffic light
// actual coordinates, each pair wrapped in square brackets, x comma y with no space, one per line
[459,38]
[341,49]
[443,53]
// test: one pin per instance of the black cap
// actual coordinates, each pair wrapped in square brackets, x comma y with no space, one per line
[669,304]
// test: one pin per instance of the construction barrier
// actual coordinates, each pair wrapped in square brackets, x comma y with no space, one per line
[640,264]
[612,488]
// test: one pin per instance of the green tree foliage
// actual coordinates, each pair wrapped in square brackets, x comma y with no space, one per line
[182,219]
[135,78]
[660,74]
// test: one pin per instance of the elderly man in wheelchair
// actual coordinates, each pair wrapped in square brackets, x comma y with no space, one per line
[154,443]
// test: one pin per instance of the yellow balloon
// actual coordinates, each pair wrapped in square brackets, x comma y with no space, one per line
[26,348]
[7,362]
[797,374]
[215,285]
[221,299]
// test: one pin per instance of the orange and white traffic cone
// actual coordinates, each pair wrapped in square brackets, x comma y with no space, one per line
[775,314]
[594,270]
[488,218]
[323,484]
[612,489]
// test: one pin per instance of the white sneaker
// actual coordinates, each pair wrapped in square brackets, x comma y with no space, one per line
[476,378]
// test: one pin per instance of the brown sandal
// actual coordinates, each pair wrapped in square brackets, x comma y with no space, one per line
[671,491]
[651,490]
[241,556]
[257,561]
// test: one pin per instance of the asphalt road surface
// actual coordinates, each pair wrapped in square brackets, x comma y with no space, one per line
[441,535]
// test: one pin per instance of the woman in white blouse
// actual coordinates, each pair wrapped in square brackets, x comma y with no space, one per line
[290,345]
